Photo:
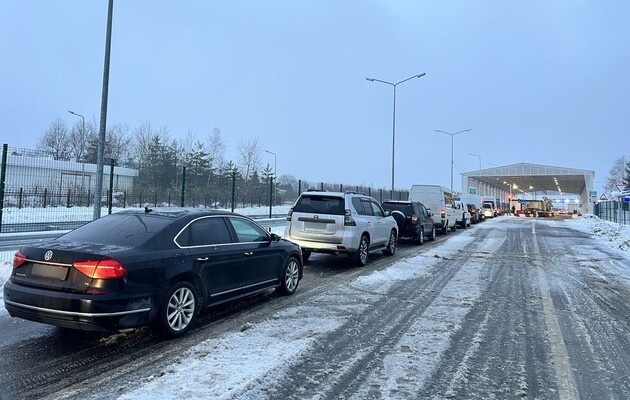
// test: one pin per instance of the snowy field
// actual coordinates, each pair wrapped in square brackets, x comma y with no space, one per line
[226,367]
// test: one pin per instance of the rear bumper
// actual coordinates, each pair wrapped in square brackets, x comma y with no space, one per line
[76,311]
[322,247]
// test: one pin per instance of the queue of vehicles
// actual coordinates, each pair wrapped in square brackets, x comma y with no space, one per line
[161,267]
[355,224]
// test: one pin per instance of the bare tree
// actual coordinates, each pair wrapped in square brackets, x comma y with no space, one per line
[216,149]
[78,142]
[55,140]
[617,174]
[117,145]
[249,156]
[190,142]
[145,135]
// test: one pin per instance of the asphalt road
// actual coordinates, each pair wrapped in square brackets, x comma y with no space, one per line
[545,321]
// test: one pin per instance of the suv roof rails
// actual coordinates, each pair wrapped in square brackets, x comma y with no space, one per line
[315,190]
[352,192]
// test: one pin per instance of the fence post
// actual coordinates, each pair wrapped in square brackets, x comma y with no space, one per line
[68,199]
[45,196]
[111,185]
[181,202]
[321,187]
[20,199]
[299,187]
[3,175]
[233,188]
[270,195]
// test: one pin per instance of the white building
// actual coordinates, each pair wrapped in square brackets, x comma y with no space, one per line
[30,173]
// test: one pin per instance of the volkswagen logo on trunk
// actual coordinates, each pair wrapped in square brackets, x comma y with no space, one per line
[48,255]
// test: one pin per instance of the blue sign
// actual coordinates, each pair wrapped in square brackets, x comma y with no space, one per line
[626,199]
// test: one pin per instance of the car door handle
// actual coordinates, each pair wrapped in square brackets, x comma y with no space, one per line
[248,253]
[202,258]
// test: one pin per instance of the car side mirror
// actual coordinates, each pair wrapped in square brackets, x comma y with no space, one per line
[275,237]
[388,213]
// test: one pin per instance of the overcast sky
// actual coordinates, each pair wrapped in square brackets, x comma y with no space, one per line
[543,82]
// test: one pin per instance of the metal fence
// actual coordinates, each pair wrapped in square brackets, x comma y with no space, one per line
[614,211]
[38,192]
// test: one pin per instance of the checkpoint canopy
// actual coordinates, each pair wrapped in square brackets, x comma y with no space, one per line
[531,181]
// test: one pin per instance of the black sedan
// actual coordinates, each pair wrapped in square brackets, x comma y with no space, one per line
[157,267]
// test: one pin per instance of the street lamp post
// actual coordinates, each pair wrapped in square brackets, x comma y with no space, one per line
[272,182]
[82,146]
[478,156]
[452,140]
[274,162]
[394,115]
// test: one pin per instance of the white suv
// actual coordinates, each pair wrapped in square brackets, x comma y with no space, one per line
[336,223]
[463,215]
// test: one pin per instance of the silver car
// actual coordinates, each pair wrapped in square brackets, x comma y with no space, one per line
[341,223]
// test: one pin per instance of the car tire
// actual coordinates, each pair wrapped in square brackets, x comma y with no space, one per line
[360,257]
[178,310]
[433,234]
[306,254]
[391,244]
[445,228]
[464,223]
[420,239]
[290,276]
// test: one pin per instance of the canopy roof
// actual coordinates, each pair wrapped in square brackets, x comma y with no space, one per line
[516,179]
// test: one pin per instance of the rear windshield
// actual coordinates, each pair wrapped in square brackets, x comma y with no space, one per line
[487,205]
[404,208]
[119,229]
[320,205]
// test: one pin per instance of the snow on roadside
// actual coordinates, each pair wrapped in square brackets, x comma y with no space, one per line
[612,234]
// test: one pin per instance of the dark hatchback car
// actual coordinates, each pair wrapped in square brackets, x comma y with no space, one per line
[475,215]
[413,218]
[156,267]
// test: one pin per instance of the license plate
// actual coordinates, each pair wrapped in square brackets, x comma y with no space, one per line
[49,271]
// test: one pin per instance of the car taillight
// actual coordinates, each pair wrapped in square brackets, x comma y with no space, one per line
[414,219]
[289,214]
[18,259]
[442,213]
[104,269]
[348,220]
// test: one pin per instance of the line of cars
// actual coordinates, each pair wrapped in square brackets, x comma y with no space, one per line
[161,267]
[355,224]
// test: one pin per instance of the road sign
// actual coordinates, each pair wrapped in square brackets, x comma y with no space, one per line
[603,197]
[472,190]
[592,193]
[626,199]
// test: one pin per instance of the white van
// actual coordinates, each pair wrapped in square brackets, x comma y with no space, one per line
[489,206]
[440,201]
[463,215]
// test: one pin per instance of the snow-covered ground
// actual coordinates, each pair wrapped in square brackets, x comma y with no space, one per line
[226,367]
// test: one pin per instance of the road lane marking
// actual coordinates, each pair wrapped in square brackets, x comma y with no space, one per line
[567,388]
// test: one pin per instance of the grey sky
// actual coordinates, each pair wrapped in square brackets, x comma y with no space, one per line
[542,82]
